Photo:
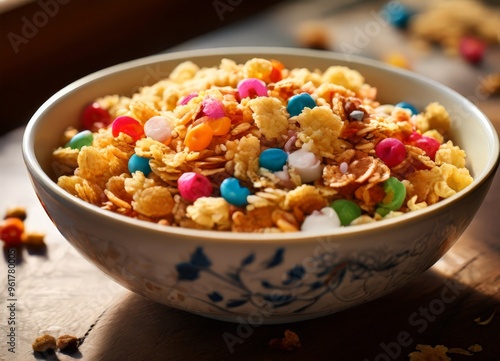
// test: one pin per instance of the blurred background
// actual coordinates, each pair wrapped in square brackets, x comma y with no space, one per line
[47,44]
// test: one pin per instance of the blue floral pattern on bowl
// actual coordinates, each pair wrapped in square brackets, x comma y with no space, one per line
[244,287]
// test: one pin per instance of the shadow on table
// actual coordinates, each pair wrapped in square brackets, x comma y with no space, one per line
[431,310]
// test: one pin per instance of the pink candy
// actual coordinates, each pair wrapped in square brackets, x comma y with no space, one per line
[193,186]
[158,128]
[251,87]
[213,108]
[391,151]
[187,98]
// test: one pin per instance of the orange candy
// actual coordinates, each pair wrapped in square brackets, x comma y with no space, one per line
[199,137]
[276,74]
[220,126]
[11,231]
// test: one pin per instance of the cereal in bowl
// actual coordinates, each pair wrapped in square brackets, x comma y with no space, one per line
[258,147]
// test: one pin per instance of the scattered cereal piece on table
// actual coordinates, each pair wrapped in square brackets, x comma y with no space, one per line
[67,343]
[429,353]
[34,239]
[314,35]
[16,212]
[44,343]
[289,342]
[475,348]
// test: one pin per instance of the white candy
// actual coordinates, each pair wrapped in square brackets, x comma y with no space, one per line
[324,220]
[344,167]
[158,128]
[306,165]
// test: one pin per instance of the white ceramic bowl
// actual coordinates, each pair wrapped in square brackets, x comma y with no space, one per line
[264,278]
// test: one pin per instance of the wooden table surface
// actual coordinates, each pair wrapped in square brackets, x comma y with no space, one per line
[58,292]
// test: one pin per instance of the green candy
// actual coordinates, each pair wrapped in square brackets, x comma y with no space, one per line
[80,139]
[395,194]
[346,210]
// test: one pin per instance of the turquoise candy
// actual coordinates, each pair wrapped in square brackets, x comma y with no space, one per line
[408,106]
[273,159]
[346,210]
[397,14]
[81,139]
[136,163]
[233,192]
[298,102]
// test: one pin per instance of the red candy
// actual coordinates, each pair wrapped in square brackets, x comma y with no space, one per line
[428,144]
[127,125]
[193,186]
[391,151]
[472,49]
[95,117]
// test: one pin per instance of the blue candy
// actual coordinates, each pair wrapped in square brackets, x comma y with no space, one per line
[408,106]
[273,159]
[397,14]
[233,192]
[80,139]
[137,163]
[298,102]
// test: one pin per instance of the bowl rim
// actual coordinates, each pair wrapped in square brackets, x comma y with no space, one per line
[37,172]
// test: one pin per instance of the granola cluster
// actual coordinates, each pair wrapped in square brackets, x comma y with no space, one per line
[340,131]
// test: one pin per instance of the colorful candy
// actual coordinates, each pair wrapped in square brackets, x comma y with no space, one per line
[428,144]
[127,125]
[276,72]
[251,87]
[212,107]
[199,137]
[346,210]
[472,49]
[357,115]
[233,192]
[408,106]
[306,165]
[187,98]
[220,126]
[397,14]
[84,138]
[273,159]
[395,194]
[324,220]
[11,231]
[298,102]
[158,128]
[137,163]
[391,151]
[95,117]
[193,185]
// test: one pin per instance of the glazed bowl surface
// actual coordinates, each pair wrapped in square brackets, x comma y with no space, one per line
[265,278]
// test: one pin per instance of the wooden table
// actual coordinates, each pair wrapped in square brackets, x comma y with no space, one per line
[58,292]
